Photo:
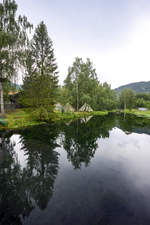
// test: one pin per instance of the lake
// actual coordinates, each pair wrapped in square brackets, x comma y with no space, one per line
[93,171]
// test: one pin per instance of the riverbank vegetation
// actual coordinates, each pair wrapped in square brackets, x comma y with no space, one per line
[138,113]
[21,118]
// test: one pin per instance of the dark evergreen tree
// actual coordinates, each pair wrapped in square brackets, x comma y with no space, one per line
[40,83]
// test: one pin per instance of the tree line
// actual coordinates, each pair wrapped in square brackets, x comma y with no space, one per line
[128,99]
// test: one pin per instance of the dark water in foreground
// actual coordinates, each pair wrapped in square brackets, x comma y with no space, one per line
[94,172]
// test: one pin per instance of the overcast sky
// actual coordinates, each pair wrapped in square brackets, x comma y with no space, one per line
[114,34]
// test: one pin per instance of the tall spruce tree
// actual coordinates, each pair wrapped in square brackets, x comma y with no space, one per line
[40,82]
[13,37]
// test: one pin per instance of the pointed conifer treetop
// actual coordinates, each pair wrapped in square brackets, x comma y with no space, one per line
[43,52]
[41,81]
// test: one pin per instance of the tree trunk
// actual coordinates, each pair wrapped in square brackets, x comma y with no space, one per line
[77,87]
[124,109]
[125,105]
[2,100]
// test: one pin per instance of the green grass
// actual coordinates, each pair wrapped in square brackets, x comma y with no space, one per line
[77,115]
[138,113]
[21,118]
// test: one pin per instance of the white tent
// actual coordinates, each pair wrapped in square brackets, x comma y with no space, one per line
[86,108]
[68,108]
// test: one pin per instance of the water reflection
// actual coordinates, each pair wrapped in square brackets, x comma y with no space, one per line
[12,187]
[80,139]
[86,119]
[134,124]
[107,181]
[42,166]
[33,185]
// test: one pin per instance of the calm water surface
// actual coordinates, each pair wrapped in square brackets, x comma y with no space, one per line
[93,171]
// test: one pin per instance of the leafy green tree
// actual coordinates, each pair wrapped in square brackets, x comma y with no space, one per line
[40,83]
[62,96]
[81,83]
[143,100]
[140,102]
[13,37]
[127,99]
[145,96]
[105,98]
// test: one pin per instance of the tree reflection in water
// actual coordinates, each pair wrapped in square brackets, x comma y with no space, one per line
[14,200]
[135,124]
[22,189]
[80,139]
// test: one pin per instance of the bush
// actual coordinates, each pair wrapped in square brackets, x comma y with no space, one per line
[41,114]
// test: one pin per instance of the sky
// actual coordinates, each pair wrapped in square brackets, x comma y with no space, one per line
[114,34]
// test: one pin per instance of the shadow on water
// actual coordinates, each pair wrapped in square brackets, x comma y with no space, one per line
[28,186]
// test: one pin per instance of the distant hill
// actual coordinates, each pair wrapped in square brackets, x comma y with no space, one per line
[16,86]
[143,86]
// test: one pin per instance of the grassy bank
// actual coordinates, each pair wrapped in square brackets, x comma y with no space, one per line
[138,113]
[77,115]
[21,118]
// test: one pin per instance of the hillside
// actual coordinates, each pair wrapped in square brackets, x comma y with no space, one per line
[143,86]
[16,86]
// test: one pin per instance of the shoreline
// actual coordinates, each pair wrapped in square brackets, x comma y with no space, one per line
[23,118]
[138,113]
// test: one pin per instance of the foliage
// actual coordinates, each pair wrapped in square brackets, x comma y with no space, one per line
[21,118]
[143,100]
[81,83]
[13,36]
[145,96]
[82,86]
[127,99]
[41,114]
[106,98]
[40,82]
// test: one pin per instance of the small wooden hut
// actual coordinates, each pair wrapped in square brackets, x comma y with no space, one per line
[68,108]
[86,108]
